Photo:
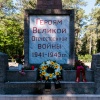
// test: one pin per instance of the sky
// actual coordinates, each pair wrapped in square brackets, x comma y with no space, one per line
[89,7]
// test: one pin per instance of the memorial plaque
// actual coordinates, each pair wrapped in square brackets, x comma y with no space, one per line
[49,36]
[49,39]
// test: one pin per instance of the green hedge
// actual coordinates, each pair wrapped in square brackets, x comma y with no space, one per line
[85,58]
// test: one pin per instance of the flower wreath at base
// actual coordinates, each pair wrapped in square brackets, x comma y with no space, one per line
[50,70]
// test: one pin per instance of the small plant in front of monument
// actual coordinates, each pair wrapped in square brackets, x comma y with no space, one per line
[50,70]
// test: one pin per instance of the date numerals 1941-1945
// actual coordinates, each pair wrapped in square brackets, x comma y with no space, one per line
[49,54]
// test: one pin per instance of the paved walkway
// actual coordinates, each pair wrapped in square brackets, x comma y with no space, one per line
[50,97]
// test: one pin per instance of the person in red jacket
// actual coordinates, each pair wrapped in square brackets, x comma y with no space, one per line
[80,69]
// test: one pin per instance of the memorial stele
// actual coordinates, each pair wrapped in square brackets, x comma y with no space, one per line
[49,34]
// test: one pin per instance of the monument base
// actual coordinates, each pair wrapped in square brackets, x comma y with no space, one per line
[29,84]
[39,88]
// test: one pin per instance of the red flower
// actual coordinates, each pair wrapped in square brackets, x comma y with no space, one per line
[32,67]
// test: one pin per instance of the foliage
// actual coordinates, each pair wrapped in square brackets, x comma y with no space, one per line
[87,35]
[91,37]
[11,32]
[97,2]
[19,59]
[25,4]
[96,16]
[87,28]
[11,36]
[85,58]
[79,19]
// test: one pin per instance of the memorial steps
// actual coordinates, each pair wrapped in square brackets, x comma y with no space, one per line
[31,75]
[28,84]
[38,88]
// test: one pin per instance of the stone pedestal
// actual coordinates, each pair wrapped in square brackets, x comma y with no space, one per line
[15,76]
[96,67]
[70,75]
[3,67]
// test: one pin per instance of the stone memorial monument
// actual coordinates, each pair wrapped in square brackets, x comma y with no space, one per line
[49,34]
[49,4]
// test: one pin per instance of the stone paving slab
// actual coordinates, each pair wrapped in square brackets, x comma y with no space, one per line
[50,97]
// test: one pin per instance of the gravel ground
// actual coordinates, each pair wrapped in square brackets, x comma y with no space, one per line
[13,64]
[88,64]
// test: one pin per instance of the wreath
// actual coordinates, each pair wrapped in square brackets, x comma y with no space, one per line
[50,70]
